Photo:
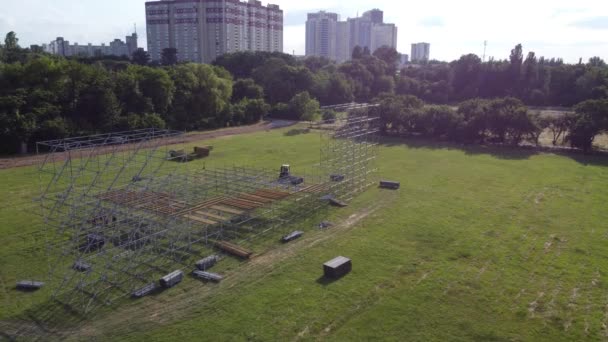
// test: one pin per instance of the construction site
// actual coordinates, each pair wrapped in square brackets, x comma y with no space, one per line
[125,216]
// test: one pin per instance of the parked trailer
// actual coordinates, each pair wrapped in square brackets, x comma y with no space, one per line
[144,291]
[171,279]
[292,236]
[208,276]
[337,267]
[389,185]
[207,263]
[29,285]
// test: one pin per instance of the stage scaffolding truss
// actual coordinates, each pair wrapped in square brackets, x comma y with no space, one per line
[119,214]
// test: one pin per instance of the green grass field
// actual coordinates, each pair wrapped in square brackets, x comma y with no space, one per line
[483,244]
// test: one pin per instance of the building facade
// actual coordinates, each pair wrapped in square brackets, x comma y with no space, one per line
[322,35]
[202,30]
[326,36]
[117,47]
[421,52]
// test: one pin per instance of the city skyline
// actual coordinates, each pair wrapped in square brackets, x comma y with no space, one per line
[550,28]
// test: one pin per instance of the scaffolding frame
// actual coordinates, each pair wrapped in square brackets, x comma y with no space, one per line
[119,214]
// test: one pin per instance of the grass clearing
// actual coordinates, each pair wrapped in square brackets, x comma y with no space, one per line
[478,244]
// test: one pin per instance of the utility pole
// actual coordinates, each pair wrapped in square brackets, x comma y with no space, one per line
[485,46]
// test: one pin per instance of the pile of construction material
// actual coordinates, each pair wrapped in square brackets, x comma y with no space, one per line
[182,156]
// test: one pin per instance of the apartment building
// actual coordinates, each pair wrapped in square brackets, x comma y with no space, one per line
[202,30]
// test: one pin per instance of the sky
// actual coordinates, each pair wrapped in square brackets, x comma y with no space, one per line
[551,28]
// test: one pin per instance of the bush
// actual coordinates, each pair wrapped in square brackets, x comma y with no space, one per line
[329,115]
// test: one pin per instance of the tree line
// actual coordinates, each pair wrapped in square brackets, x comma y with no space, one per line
[500,120]
[48,97]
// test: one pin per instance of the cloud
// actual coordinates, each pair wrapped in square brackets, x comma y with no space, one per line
[595,23]
[432,22]
[560,12]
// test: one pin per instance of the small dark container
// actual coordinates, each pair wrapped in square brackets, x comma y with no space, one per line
[171,279]
[29,285]
[208,276]
[144,291]
[390,185]
[207,263]
[292,236]
[337,267]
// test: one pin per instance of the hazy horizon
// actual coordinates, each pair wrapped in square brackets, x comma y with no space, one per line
[557,29]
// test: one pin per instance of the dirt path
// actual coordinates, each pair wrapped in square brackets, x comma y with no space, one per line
[29,160]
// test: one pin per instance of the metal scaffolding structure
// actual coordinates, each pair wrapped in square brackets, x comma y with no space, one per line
[120,215]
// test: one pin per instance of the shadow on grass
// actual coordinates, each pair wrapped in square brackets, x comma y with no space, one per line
[325,281]
[51,320]
[297,131]
[499,151]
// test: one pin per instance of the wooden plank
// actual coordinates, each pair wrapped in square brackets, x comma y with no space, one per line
[237,204]
[248,202]
[202,205]
[200,219]
[256,198]
[267,193]
[271,194]
[227,210]
[233,249]
[213,216]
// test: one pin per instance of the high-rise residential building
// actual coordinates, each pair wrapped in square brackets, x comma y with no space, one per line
[131,42]
[117,47]
[202,30]
[326,36]
[321,34]
[420,52]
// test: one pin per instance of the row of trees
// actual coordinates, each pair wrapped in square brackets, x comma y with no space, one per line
[48,98]
[43,96]
[535,80]
[501,120]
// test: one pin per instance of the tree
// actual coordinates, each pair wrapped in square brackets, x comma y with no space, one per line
[303,107]
[516,60]
[246,88]
[243,64]
[11,42]
[591,120]
[157,86]
[281,81]
[255,110]
[202,95]
[467,77]
[168,56]
[389,55]
[357,52]
[140,57]
[596,62]
[558,126]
